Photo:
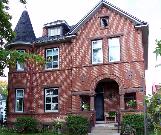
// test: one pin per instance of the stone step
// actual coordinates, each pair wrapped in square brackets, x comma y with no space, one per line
[105,129]
[103,133]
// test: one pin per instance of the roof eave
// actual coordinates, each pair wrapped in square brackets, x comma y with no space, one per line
[17,43]
[65,39]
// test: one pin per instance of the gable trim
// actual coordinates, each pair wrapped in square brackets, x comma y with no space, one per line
[135,20]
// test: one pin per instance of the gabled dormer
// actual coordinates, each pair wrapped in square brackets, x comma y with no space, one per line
[56,28]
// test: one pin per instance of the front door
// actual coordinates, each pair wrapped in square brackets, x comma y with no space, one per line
[99,106]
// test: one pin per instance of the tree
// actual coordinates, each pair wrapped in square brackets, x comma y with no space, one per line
[158,48]
[3,88]
[154,110]
[6,31]
[8,57]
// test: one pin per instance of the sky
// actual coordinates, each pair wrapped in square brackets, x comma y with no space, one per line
[44,11]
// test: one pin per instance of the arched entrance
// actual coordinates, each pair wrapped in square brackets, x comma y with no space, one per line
[107,98]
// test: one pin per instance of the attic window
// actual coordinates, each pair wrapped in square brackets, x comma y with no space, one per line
[104,21]
[55,31]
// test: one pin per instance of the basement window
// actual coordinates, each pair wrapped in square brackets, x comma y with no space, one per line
[85,103]
[104,21]
[130,100]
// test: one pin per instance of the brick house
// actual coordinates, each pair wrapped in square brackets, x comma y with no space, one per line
[93,67]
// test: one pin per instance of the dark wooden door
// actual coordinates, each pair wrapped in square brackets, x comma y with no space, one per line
[99,106]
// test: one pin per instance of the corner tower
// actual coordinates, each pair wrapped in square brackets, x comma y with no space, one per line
[24,32]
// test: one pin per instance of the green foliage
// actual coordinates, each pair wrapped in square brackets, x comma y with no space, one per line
[8,58]
[26,125]
[6,31]
[3,88]
[132,123]
[158,48]
[154,110]
[58,125]
[77,125]
[112,113]
[131,103]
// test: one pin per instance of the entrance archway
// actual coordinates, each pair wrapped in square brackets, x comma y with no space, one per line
[106,98]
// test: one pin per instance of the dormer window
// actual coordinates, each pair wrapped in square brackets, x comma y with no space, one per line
[54,31]
[104,21]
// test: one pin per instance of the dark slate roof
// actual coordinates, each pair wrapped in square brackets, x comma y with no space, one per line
[59,38]
[24,30]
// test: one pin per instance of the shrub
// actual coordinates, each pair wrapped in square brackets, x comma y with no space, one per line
[26,125]
[77,125]
[133,123]
[58,125]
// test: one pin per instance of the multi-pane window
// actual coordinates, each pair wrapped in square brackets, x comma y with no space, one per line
[19,100]
[97,54]
[54,31]
[114,49]
[51,100]
[20,66]
[52,58]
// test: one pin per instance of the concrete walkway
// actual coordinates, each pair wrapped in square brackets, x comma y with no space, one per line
[104,129]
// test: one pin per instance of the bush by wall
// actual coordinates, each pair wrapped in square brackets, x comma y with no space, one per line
[77,125]
[26,125]
[133,123]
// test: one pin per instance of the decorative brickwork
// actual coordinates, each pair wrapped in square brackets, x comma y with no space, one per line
[77,74]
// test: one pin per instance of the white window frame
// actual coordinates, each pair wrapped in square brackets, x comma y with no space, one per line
[101,53]
[20,66]
[52,49]
[17,97]
[51,96]
[114,49]
[54,31]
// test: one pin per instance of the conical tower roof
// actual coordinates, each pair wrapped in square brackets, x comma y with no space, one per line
[24,30]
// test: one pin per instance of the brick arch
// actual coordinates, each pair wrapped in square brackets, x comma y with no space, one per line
[96,80]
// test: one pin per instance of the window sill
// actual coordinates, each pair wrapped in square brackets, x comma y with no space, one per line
[100,64]
[51,112]
[114,62]
[51,69]
[97,64]
[103,28]
[18,112]
[18,71]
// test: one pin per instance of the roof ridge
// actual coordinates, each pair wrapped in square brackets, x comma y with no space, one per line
[129,14]
[106,3]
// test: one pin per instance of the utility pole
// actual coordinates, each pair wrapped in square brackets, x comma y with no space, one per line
[145,115]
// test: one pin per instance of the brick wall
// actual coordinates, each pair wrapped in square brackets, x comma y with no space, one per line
[76,73]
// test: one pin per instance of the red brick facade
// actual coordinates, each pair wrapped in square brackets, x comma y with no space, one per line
[77,76]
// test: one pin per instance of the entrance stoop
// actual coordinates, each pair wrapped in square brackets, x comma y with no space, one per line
[102,128]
